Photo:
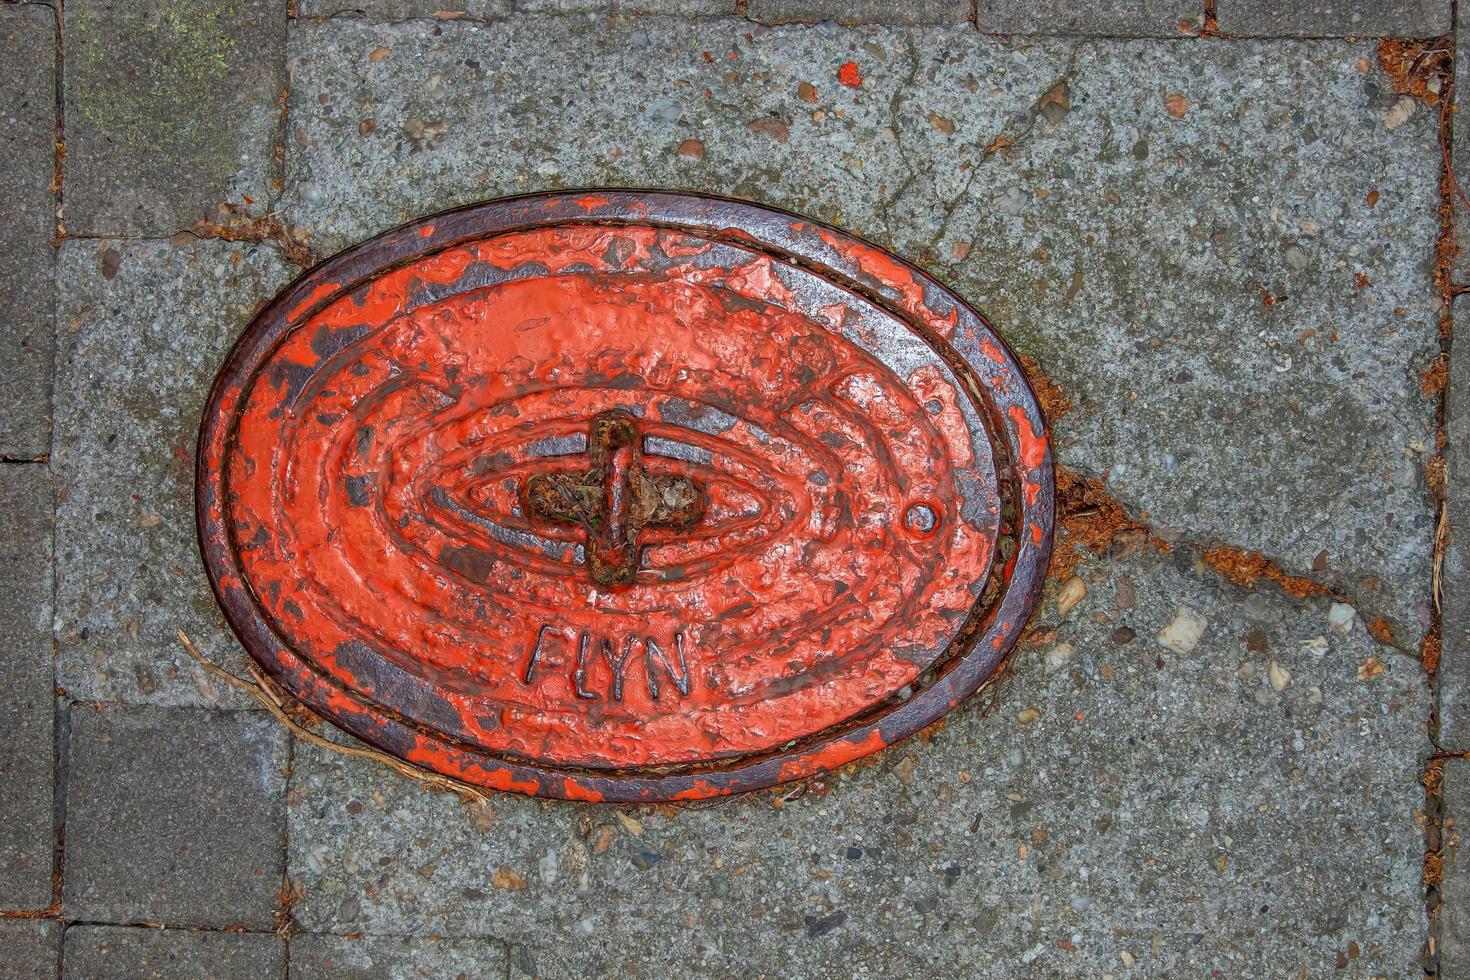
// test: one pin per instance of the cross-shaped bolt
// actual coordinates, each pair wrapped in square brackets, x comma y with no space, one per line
[615,498]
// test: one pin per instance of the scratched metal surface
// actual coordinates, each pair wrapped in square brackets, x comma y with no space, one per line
[624,495]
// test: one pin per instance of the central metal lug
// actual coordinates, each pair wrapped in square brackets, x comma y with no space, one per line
[614,498]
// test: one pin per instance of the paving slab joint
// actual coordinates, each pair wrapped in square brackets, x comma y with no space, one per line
[1211,24]
[229,930]
[52,911]
[58,181]
[356,16]
[290,892]
[1425,82]
[1436,90]
[291,242]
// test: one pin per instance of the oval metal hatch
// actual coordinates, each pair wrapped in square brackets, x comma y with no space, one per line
[624,495]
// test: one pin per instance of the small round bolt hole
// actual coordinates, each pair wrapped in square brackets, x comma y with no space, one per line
[921,520]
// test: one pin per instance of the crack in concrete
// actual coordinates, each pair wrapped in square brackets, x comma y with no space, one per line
[1003,140]
[267,229]
[884,210]
[1090,520]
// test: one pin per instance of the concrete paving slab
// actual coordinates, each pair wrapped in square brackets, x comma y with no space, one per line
[1454,662]
[32,949]
[1245,804]
[1182,235]
[119,953]
[171,111]
[859,11]
[404,9]
[174,816]
[144,326]
[28,707]
[1333,18]
[28,214]
[1099,18]
[682,8]
[394,958]
[1460,149]
[1454,888]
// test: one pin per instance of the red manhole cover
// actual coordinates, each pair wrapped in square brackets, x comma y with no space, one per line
[624,495]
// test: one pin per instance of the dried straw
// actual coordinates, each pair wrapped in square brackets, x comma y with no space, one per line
[282,706]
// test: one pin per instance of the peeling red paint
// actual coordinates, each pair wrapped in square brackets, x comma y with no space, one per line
[701,789]
[573,790]
[1033,443]
[890,275]
[832,755]
[339,476]
[369,471]
[317,294]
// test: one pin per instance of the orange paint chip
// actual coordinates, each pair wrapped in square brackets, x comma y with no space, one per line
[316,295]
[573,790]
[848,75]
[1033,443]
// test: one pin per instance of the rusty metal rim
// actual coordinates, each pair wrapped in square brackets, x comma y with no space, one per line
[975,656]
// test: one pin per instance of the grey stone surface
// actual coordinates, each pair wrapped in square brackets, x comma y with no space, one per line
[860,11]
[683,8]
[31,949]
[1099,18]
[174,816]
[117,953]
[142,329]
[1454,662]
[28,215]
[1248,805]
[27,707]
[171,110]
[1239,332]
[1454,888]
[394,958]
[404,9]
[1333,18]
[1460,148]
[1181,237]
